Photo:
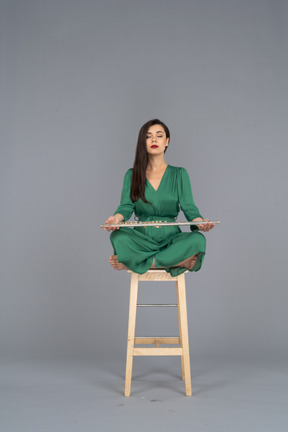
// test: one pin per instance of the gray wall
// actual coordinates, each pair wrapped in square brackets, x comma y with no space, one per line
[78,79]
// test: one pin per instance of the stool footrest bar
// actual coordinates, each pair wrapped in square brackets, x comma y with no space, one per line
[152,340]
[157,351]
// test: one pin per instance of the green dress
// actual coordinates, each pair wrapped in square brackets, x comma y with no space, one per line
[136,248]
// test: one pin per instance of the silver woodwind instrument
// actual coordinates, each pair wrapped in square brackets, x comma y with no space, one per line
[157,224]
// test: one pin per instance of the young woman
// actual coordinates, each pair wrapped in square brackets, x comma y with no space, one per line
[156,191]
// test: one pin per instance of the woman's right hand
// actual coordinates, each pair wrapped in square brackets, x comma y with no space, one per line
[116,219]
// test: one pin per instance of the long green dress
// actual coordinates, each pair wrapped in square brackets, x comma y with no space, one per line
[136,248]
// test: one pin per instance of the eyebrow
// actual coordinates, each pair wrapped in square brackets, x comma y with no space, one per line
[156,132]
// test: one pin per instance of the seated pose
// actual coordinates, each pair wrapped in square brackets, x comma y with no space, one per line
[156,191]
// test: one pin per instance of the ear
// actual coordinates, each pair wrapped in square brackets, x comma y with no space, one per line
[167,142]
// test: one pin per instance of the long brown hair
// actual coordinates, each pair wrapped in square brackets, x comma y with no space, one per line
[141,161]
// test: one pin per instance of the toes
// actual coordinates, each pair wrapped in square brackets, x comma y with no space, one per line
[113,259]
[192,263]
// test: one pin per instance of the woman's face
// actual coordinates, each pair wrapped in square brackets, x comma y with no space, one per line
[156,141]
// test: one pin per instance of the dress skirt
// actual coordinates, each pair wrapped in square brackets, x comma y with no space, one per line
[137,250]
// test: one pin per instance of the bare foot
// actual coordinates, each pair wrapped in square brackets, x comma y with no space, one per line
[115,263]
[189,263]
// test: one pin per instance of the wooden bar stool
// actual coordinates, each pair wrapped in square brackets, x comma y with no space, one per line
[182,340]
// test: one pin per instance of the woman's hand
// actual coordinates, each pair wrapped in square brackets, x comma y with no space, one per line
[116,219]
[205,227]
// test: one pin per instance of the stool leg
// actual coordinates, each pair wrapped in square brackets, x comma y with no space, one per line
[180,333]
[184,332]
[131,331]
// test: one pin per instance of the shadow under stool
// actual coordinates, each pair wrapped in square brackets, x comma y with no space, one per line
[182,350]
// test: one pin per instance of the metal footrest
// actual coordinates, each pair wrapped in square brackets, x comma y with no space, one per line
[156,305]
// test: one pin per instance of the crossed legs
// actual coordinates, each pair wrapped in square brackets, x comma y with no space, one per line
[187,263]
[131,243]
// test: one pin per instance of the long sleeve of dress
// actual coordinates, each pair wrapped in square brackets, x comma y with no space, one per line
[186,200]
[126,206]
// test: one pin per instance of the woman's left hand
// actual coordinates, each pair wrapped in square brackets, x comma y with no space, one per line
[204,227]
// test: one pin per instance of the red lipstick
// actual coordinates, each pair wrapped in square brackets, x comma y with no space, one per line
[154,146]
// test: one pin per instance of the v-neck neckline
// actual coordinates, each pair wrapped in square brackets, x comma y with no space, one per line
[156,190]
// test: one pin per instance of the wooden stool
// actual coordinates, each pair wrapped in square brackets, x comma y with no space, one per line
[182,340]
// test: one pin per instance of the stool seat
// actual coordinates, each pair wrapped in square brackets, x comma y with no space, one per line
[182,340]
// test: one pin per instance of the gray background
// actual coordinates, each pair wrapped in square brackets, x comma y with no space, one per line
[78,80]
